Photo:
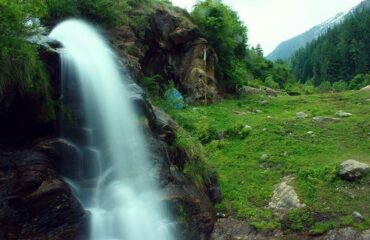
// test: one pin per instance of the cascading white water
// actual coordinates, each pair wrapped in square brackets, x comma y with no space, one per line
[122,195]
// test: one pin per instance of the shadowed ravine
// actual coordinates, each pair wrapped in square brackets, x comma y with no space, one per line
[115,185]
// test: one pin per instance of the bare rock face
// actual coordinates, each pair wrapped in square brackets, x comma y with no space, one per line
[35,201]
[352,170]
[174,49]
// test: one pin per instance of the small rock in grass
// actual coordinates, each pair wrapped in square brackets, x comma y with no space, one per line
[264,102]
[324,119]
[352,170]
[310,132]
[343,114]
[357,217]
[264,157]
[301,115]
[248,127]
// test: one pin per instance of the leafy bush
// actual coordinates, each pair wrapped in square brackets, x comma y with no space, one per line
[237,131]
[340,86]
[151,84]
[298,220]
[359,81]
[294,88]
[308,87]
[324,87]
[269,81]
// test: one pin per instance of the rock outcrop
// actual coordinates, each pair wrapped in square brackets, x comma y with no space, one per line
[173,47]
[36,203]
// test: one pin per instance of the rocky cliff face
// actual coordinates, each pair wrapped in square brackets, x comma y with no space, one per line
[173,47]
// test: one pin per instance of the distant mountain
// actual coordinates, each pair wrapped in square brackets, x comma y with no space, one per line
[285,49]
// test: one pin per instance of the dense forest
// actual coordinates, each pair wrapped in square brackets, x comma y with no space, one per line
[341,57]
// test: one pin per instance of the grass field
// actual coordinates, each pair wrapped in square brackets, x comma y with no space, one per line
[307,150]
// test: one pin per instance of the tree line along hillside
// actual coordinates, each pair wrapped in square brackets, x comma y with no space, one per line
[341,57]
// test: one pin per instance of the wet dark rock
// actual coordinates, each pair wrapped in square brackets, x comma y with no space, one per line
[36,202]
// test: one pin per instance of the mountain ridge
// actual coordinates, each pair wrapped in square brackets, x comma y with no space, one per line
[286,48]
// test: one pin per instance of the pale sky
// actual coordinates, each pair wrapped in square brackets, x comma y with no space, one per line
[270,22]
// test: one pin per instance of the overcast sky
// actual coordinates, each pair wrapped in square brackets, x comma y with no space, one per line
[270,22]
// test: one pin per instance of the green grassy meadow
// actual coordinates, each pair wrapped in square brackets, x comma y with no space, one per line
[307,150]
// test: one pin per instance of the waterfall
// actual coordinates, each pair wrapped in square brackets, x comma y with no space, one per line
[115,183]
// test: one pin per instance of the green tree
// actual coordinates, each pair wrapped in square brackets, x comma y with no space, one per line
[228,35]
[259,50]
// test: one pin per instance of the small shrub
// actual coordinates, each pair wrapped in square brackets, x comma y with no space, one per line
[269,81]
[293,88]
[359,81]
[298,220]
[151,84]
[323,227]
[237,131]
[309,88]
[340,86]
[324,87]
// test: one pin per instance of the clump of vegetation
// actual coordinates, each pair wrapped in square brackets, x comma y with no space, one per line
[197,167]
[21,68]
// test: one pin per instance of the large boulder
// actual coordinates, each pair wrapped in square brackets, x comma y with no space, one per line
[352,170]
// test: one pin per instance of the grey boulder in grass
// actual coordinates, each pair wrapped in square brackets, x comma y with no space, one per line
[352,170]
